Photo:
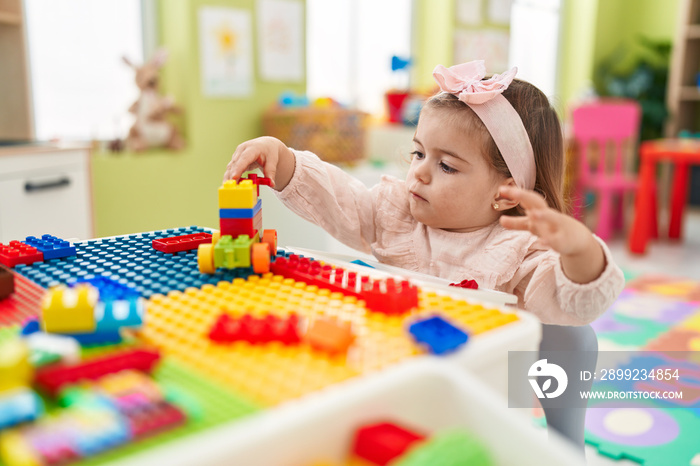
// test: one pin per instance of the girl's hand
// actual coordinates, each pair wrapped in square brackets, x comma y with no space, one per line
[266,153]
[582,257]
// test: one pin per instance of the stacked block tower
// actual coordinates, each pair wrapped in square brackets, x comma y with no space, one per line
[241,241]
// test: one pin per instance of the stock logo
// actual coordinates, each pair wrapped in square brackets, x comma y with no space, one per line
[543,369]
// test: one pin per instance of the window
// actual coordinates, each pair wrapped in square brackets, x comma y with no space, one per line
[81,88]
[534,39]
[349,48]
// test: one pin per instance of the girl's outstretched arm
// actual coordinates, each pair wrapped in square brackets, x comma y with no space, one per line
[582,257]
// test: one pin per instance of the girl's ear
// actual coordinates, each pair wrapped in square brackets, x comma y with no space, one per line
[503,202]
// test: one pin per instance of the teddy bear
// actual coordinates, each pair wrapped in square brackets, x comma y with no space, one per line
[151,128]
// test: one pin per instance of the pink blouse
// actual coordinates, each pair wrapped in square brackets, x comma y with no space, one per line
[378,221]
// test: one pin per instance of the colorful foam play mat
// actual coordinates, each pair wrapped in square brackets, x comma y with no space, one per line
[654,324]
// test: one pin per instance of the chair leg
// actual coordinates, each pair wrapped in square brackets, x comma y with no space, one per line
[679,196]
[582,343]
[603,229]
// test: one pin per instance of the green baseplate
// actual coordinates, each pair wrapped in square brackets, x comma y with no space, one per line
[207,405]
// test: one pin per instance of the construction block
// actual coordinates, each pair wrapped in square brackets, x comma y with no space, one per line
[241,226]
[16,406]
[257,180]
[181,243]
[17,253]
[120,313]
[53,378]
[51,247]
[69,310]
[383,442]
[108,288]
[241,213]
[466,283]
[254,330]
[438,335]
[54,347]
[7,283]
[152,419]
[231,253]
[15,368]
[243,195]
[98,338]
[15,448]
[391,297]
[329,335]
[387,296]
[312,272]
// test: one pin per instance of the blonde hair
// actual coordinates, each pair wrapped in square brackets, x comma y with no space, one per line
[543,128]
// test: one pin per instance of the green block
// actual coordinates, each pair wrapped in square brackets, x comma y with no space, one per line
[455,447]
[231,254]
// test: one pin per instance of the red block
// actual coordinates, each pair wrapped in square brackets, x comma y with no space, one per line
[381,443]
[388,296]
[391,297]
[257,181]
[19,253]
[153,419]
[53,378]
[469,284]
[241,226]
[227,329]
[175,244]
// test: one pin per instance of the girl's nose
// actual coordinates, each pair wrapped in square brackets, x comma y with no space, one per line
[422,172]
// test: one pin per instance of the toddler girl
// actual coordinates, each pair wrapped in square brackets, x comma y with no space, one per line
[482,199]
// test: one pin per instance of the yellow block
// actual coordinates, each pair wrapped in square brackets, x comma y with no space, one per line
[15,369]
[243,195]
[15,451]
[69,310]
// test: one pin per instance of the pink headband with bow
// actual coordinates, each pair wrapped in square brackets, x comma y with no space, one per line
[494,110]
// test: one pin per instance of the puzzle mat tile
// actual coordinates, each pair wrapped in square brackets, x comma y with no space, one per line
[641,432]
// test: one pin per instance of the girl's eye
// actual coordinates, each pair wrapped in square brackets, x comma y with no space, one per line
[446,168]
[416,154]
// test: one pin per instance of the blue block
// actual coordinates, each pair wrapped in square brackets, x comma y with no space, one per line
[19,406]
[119,313]
[241,213]
[51,247]
[438,335]
[30,326]
[109,337]
[109,289]
[362,263]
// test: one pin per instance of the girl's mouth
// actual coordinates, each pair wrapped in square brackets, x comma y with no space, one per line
[416,196]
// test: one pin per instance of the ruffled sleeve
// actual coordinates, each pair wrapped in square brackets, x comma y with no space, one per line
[543,288]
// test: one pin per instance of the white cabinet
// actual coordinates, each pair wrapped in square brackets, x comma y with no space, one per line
[45,189]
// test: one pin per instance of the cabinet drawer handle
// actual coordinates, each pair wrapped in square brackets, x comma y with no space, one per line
[53,184]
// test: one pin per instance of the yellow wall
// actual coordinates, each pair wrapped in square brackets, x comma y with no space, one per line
[159,189]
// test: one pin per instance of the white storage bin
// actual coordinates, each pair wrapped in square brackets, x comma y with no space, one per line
[425,394]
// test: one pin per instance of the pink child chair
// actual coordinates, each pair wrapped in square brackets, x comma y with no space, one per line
[604,122]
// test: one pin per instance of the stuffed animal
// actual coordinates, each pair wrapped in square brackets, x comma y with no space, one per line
[151,129]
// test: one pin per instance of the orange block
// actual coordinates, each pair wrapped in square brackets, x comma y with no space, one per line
[329,335]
